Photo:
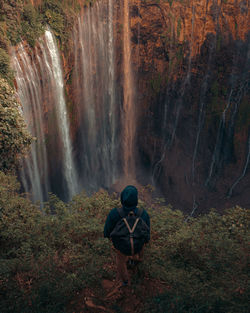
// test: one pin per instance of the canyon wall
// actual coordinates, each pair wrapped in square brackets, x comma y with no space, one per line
[191,59]
[158,91]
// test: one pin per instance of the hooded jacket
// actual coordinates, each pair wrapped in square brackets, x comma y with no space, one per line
[129,201]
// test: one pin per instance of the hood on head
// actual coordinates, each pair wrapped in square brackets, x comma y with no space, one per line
[129,197]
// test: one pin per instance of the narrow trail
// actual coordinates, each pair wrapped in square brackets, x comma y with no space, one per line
[109,297]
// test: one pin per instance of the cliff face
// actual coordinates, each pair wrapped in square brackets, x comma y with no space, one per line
[191,60]
[190,95]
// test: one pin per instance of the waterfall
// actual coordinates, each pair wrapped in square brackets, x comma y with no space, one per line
[128,98]
[168,140]
[40,89]
[186,81]
[94,83]
[230,192]
[238,86]
[61,114]
[202,103]
[34,171]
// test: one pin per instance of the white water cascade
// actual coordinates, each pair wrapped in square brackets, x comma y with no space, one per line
[128,98]
[61,114]
[42,101]
[34,172]
[94,84]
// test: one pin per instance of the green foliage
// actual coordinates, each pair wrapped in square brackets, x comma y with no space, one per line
[53,5]
[170,2]
[14,138]
[4,63]
[156,84]
[59,16]
[5,68]
[31,24]
[204,262]
[55,20]
[48,256]
[178,27]
[179,53]
[23,21]
[9,14]
[3,36]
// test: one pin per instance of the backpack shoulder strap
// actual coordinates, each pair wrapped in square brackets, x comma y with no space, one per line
[121,212]
[139,212]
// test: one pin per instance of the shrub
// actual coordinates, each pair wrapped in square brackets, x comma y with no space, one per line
[47,256]
[4,63]
[27,22]
[204,262]
[56,21]
[31,24]
[14,138]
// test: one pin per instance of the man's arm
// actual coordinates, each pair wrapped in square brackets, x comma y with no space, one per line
[110,223]
[146,219]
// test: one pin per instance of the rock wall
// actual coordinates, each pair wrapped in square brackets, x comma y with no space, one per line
[191,60]
[190,64]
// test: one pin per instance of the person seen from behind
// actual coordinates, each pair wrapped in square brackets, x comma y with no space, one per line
[129,229]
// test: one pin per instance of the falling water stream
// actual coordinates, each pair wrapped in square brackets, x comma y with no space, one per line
[35,101]
[94,82]
[87,141]
[40,87]
[34,173]
[61,114]
[128,98]
[202,103]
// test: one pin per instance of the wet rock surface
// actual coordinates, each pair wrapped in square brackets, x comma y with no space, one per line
[190,59]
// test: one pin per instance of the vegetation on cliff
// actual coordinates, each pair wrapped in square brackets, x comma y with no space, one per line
[21,20]
[27,20]
[51,259]
[14,137]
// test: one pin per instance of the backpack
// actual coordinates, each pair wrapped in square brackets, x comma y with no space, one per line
[130,233]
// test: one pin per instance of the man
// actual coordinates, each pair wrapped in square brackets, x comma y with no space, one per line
[129,200]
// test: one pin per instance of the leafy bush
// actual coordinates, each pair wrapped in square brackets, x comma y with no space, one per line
[9,13]
[56,21]
[4,63]
[14,138]
[23,21]
[31,24]
[3,37]
[45,258]
[48,256]
[60,17]
[53,5]
[204,262]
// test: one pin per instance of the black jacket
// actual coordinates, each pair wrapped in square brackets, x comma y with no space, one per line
[129,200]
